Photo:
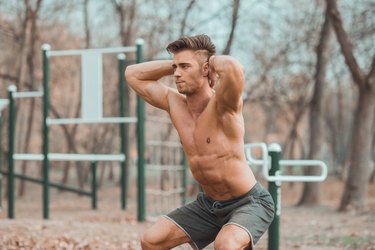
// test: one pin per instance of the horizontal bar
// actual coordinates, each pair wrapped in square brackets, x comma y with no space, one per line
[163,192]
[85,157]
[164,144]
[76,52]
[158,119]
[28,157]
[301,163]
[70,189]
[81,121]
[51,184]
[28,94]
[301,178]
[164,167]
[70,157]
[293,178]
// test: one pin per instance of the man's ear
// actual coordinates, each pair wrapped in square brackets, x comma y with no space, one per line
[205,69]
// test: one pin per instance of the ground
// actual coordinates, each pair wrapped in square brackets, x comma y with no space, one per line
[73,225]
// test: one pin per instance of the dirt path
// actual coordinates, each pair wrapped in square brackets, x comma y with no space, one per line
[73,225]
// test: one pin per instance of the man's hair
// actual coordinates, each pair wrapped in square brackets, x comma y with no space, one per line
[195,43]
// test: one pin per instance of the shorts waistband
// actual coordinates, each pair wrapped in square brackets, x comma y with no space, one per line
[220,204]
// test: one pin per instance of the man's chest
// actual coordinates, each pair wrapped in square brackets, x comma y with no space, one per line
[201,135]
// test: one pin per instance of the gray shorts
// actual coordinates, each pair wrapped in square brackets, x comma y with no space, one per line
[203,218]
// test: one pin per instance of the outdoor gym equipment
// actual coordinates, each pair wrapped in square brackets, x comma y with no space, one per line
[91,112]
[271,162]
[166,169]
[3,104]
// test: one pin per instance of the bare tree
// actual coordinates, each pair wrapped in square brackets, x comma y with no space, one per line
[184,19]
[356,186]
[126,14]
[32,17]
[236,6]
[311,190]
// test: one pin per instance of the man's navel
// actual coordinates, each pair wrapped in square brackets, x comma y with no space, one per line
[208,140]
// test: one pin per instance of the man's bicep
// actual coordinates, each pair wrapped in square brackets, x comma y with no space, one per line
[154,93]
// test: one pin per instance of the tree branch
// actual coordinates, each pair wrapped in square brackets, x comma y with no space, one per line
[346,46]
[186,13]
[370,78]
[236,5]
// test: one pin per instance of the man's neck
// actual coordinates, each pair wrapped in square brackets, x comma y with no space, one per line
[197,103]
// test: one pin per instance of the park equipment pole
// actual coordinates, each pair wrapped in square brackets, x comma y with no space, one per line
[11,131]
[3,104]
[123,128]
[93,185]
[45,49]
[274,188]
[141,143]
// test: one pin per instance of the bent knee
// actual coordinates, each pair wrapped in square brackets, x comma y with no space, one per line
[225,244]
[229,244]
[150,240]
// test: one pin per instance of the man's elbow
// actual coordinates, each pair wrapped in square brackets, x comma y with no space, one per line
[236,68]
[130,74]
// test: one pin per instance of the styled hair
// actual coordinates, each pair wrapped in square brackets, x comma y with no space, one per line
[195,43]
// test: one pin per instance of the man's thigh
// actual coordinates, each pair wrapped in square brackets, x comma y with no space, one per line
[164,234]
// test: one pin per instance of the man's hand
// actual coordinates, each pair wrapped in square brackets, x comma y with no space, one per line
[212,75]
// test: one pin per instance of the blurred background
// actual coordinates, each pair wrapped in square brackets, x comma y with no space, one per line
[310,78]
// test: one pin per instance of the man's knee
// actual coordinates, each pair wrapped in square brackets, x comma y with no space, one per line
[150,240]
[232,240]
[228,244]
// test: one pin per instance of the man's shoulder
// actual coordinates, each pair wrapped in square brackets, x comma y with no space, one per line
[174,96]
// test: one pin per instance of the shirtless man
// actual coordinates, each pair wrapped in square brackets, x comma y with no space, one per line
[233,210]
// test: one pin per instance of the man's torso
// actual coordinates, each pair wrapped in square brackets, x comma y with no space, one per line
[214,147]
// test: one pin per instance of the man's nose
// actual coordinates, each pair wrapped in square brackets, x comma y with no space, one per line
[176,73]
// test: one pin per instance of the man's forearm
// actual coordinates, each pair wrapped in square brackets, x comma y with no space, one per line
[150,71]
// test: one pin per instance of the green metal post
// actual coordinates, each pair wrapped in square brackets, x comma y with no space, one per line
[93,185]
[11,135]
[45,49]
[123,129]
[185,166]
[275,191]
[141,144]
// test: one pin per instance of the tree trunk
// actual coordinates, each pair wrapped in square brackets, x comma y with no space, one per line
[30,64]
[356,186]
[355,192]
[310,193]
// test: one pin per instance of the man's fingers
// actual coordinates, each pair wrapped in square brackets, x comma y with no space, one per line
[212,76]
